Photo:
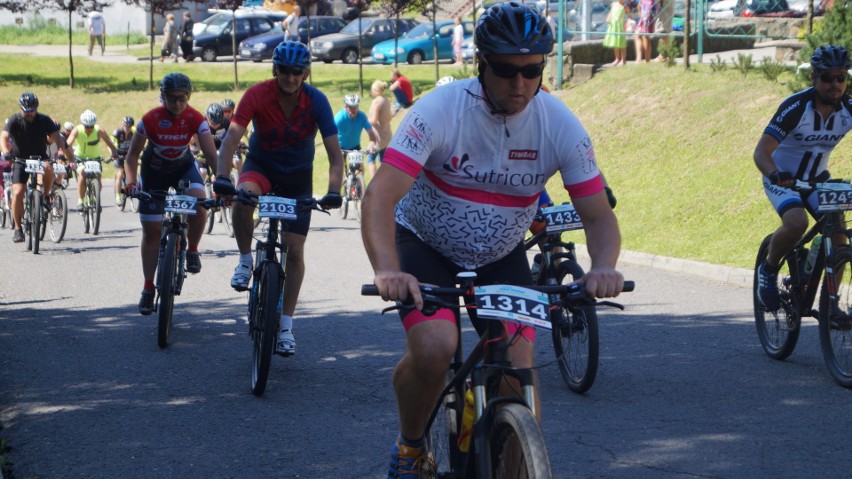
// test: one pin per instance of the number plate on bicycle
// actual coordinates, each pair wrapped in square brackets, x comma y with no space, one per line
[834,197]
[181,204]
[34,166]
[59,169]
[92,167]
[513,303]
[355,158]
[277,207]
[561,218]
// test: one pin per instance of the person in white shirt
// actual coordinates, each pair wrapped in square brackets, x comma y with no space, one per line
[458,38]
[291,25]
[97,31]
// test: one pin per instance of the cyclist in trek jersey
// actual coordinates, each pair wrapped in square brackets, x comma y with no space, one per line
[458,189]
[166,160]
[796,145]
[121,137]
[286,114]
[86,139]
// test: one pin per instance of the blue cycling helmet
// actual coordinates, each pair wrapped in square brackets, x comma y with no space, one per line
[291,54]
[176,81]
[830,57]
[513,29]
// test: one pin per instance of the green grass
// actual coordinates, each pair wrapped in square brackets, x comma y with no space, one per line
[675,145]
[41,32]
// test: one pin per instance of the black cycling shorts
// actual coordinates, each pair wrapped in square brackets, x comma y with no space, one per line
[297,185]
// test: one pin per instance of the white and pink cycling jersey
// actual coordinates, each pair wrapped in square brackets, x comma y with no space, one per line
[478,175]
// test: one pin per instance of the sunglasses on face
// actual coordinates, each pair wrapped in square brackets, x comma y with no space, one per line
[507,70]
[28,110]
[176,98]
[292,71]
[828,78]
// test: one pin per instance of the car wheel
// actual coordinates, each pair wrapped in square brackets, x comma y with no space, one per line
[257,60]
[327,61]
[208,54]
[415,58]
[350,55]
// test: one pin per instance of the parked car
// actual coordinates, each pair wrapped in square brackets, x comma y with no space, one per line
[756,8]
[417,45]
[260,47]
[344,44]
[722,9]
[214,38]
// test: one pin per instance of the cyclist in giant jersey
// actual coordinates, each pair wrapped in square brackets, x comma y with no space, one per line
[165,161]
[286,114]
[796,146]
[457,191]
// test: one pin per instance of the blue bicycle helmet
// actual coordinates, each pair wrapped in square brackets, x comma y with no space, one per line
[830,57]
[513,29]
[28,100]
[176,81]
[292,54]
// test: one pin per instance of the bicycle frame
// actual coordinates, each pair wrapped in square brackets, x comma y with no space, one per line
[548,257]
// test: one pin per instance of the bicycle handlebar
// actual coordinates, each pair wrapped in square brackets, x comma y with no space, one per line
[206,203]
[801,185]
[305,204]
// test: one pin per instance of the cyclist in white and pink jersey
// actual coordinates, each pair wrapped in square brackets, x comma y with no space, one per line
[457,191]
[166,160]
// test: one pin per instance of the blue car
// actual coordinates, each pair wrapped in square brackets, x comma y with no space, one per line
[260,47]
[417,45]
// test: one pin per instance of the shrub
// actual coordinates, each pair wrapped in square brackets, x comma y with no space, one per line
[743,63]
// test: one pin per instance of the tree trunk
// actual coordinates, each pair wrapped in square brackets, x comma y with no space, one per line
[70,56]
[234,48]
[151,59]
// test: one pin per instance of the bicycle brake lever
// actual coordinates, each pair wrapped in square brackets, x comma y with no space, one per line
[610,304]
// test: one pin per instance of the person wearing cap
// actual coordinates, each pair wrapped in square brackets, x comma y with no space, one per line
[796,145]
[458,192]
[86,139]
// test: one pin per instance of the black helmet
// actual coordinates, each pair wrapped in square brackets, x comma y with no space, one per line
[228,104]
[176,81]
[215,113]
[28,100]
[830,57]
[512,29]
[128,121]
[293,54]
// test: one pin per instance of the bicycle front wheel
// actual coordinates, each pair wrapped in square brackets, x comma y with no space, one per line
[516,447]
[167,269]
[778,331]
[357,194]
[35,223]
[58,216]
[225,214]
[835,322]
[95,207]
[575,336]
[120,198]
[44,216]
[266,325]
[211,213]
[443,435]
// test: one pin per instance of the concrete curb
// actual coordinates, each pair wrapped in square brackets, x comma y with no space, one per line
[739,277]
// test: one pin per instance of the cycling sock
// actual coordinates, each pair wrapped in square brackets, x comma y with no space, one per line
[245,259]
[771,269]
[148,285]
[408,442]
[192,248]
[286,323]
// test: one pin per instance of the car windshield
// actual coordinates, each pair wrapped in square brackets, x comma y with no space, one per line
[217,23]
[424,30]
[352,27]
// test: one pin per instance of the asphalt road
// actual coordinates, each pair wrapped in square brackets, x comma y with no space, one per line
[684,389]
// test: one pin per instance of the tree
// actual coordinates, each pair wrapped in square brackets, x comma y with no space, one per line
[233,5]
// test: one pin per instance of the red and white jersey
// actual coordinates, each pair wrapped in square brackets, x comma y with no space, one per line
[478,175]
[168,136]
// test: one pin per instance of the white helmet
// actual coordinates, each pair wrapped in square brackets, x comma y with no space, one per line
[68,125]
[444,80]
[351,100]
[88,118]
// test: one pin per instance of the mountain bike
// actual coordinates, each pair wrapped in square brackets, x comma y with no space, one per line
[31,222]
[505,438]
[575,335]
[171,266]
[353,183]
[266,292]
[55,214]
[91,208]
[121,197]
[799,279]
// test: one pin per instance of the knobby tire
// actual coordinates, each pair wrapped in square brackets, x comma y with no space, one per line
[166,285]
[516,446]
[95,205]
[575,336]
[58,216]
[835,333]
[443,436]
[266,317]
[778,331]
[35,224]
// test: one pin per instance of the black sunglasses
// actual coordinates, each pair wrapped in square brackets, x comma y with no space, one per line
[176,98]
[507,70]
[293,71]
[828,78]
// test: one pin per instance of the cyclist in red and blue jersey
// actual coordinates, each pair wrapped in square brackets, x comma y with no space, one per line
[458,188]
[285,114]
[166,160]
[796,145]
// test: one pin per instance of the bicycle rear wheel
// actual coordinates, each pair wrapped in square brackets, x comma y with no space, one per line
[835,323]
[778,331]
[35,223]
[166,272]
[58,216]
[265,319]
[44,216]
[3,208]
[516,447]
[575,336]
[95,206]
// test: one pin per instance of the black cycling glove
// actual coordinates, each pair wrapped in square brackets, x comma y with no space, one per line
[223,186]
[331,200]
[778,176]
[610,196]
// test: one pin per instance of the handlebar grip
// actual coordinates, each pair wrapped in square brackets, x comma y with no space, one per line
[369,290]
[628,286]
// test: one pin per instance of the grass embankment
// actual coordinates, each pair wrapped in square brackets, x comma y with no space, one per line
[675,145]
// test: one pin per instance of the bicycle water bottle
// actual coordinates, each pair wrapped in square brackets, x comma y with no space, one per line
[812,255]
[467,422]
